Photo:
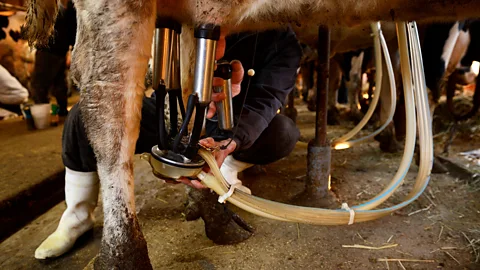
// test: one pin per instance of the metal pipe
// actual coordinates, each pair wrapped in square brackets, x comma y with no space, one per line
[166,70]
[162,57]
[174,82]
[204,66]
[207,36]
[225,107]
[323,70]
[318,152]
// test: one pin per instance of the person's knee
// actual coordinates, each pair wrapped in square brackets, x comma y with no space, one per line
[286,133]
[276,142]
[76,150]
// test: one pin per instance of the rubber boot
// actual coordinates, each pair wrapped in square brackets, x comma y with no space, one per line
[230,169]
[222,226]
[81,195]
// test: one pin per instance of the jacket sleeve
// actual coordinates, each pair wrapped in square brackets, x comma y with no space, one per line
[268,89]
[11,90]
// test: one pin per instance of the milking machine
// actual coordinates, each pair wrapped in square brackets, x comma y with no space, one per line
[178,153]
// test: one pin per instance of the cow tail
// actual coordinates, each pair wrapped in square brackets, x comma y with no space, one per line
[39,21]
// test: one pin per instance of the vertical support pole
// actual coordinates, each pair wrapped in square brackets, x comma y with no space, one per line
[318,157]
[323,70]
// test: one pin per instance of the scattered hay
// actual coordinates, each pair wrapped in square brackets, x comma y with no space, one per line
[369,247]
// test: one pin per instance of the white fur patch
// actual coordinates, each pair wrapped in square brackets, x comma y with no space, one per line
[450,44]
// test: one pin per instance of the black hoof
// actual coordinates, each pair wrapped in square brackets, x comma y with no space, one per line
[231,230]
[311,106]
[192,210]
[438,167]
[126,252]
[333,116]
[222,226]
[388,141]
[391,146]
[355,116]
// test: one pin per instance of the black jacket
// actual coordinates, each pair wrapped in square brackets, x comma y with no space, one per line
[274,56]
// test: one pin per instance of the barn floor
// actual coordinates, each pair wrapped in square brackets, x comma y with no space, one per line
[450,213]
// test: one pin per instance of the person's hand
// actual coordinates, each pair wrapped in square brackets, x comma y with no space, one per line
[237,77]
[219,155]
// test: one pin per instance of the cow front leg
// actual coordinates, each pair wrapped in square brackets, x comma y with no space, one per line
[109,64]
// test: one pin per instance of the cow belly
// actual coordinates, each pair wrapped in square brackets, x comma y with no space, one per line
[238,15]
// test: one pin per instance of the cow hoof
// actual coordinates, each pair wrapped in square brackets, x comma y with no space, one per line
[228,232]
[192,210]
[332,117]
[438,167]
[222,226]
[311,106]
[388,142]
[355,116]
[114,259]
[127,251]
[132,261]
[391,146]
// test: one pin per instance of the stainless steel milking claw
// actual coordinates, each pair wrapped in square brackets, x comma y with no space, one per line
[176,152]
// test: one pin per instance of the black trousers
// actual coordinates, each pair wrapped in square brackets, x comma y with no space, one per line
[276,141]
[49,73]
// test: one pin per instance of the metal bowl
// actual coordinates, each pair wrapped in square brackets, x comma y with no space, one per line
[166,168]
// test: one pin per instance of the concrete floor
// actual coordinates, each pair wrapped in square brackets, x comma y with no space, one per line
[358,174]
[31,171]
[27,157]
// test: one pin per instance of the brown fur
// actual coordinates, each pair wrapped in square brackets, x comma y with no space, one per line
[109,63]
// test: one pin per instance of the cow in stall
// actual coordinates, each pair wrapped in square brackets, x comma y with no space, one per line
[110,59]
[448,52]
[457,70]
[347,57]
[448,49]
[15,55]
[351,55]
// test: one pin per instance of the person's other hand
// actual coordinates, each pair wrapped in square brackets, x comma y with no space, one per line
[219,155]
[237,77]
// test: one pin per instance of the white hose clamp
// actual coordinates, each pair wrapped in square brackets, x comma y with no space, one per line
[224,197]
[350,210]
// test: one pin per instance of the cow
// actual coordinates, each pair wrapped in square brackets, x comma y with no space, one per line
[448,51]
[15,55]
[110,59]
[458,70]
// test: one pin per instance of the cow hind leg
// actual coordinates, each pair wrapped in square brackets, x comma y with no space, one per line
[333,114]
[109,64]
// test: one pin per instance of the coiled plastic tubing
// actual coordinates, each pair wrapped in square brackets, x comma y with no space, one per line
[417,111]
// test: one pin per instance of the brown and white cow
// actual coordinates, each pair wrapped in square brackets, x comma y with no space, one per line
[110,59]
